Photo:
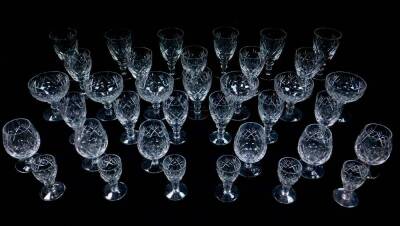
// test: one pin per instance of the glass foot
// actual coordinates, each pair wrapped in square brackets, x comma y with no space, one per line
[53,192]
[51,115]
[284,196]
[176,194]
[23,166]
[250,171]
[294,117]
[151,167]
[115,192]
[200,116]
[106,115]
[312,172]
[150,114]
[89,165]
[243,115]
[215,139]
[273,137]
[345,198]
[225,196]
[129,140]
[176,141]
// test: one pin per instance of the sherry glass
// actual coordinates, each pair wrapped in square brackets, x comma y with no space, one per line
[140,61]
[272,41]
[289,172]
[326,109]
[228,168]
[110,169]
[119,43]
[174,167]
[78,64]
[270,109]
[171,42]
[225,43]
[127,109]
[194,59]
[175,109]
[251,61]
[307,62]
[221,110]
[64,40]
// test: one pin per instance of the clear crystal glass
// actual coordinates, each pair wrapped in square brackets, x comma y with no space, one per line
[353,174]
[270,109]
[174,167]
[119,43]
[221,110]
[315,149]
[140,61]
[91,141]
[78,64]
[21,141]
[289,172]
[127,109]
[307,62]
[194,59]
[250,147]
[225,43]
[64,40]
[326,109]
[272,41]
[228,168]
[153,144]
[110,169]
[104,87]
[44,169]
[171,42]
[50,87]
[73,111]
[251,61]
[175,109]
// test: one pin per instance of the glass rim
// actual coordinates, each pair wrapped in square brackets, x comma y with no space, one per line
[272,29]
[114,166]
[47,73]
[358,162]
[339,33]
[328,76]
[79,50]
[228,103]
[53,37]
[302,49]
[251,47]
[51,160]
[235,31]
[199,47]
[109,31]
[379,125]
[325,129]
[292,159]
[25,120]
[234,158]
[143,48]
[180,36]
[177,156]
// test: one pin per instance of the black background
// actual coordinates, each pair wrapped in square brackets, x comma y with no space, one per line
[368,48]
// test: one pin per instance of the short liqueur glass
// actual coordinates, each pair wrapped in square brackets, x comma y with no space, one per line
[272,41]
[228,168]
[174,167]
[221,110]
[127,109]
[110,169]
[171,42]
[64,40]
[225,43]
[289,172]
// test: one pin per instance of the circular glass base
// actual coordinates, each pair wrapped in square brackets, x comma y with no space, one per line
[89,165]
[250,171]
[23,166]
[51,115]
[345,198]
[150,114]
[106,115]
[243,115]
[273,137]
[129,140]
[224,196]
[177,141]
[312,172]
[294,117]
[284,196]
[115,192]
[151,167]
[199,116]
[178,194]
[223,140]
[53,192]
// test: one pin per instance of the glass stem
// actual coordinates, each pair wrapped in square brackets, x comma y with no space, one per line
[55,106]
[156,108]
[175,186]
[269,63]
[108,109]
[220,131]
[130,129]
[248,165]
[224,66]
[171,68]
[154,163]
[238,107]
[176,130]
[347,193]
[289,108]
[114,186]
[285,189]
[227,185]
[267,129]
[197,107]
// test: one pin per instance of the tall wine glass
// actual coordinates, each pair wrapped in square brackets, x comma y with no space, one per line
[228,168]
[64,40]
[78,64]
[194,59]
[251,61]
[127,109]
[174,167]
[289,172]
[307,62]
[221,110]
[110,169]
[272,41]
[119,43]
[171,42]
[176,109]
[225,43]
[140,61]
[270,108]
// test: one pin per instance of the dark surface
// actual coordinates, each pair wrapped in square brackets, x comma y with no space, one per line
[365,50]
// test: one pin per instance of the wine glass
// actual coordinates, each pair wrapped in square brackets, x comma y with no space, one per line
[104,87]
[326,109]
[315,149]
[175,109]
[119,43]
[289,172]
[353,174]
[140,61]
[194,59]
[171,41]
[251,61]
[250,147]
[239,88]
[50,87]
[228,168]
[127,109]
[44,169]
[270,109]
[110,169]
[272,41]
[64,40]
[345,87]
[225,43]
[174,167]
[307,62]
[153,144]
[292,89]
[73,111]
[78,64]
[221,110]
[91,142]
[197,87]
[155,88]
[21,141]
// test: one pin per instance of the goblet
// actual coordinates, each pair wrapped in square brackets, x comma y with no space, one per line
[251,61]
[225,43]
[315,149]
[307,62]
[228,168]
[374,145]
[50,87]
[289,172]
[44,169]
[119,43]
[174,167]
[127,109]
[327,110]
[73,111]
[292,89]
[104,87]
[353,174]
[221,110]
[64,40]
[176,109]
[171,41]
[155,88]
[325,43]
[345,87]
[91,142]
[250,147]
[194,59]
[272,41]
[110,169]
[140,61]
[21,141]
[153,144]
[239,88]
[270,108]
[197,87]
[78,64]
